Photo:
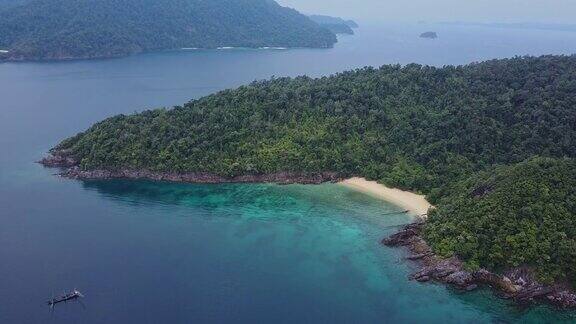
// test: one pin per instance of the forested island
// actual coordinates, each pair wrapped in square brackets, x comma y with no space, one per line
[335,24]
[81,29]
[491,144]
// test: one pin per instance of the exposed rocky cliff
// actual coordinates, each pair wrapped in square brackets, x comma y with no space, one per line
[516,284]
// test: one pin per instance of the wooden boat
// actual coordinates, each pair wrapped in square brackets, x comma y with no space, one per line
[75,294]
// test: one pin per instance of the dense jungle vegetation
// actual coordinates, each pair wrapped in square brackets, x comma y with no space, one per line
[64,29]
[492,145]
[511,216]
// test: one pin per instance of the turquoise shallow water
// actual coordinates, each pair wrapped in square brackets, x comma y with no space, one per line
[146,252]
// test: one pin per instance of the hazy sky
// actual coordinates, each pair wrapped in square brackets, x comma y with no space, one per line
[549,11]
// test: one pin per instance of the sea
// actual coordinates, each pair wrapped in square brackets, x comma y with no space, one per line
[154,252]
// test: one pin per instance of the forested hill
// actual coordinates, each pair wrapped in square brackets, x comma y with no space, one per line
[415,127]
[511,216]
[64,29]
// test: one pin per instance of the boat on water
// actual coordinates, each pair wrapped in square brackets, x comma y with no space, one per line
[73,295]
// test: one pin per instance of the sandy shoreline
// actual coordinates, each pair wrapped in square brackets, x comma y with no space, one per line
[412,202]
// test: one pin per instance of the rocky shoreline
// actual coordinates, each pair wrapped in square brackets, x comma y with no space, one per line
[517,284]
[71,170]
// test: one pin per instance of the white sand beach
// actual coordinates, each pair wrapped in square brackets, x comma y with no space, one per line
[412,202]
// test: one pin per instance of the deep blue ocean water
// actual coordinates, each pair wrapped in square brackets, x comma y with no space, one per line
[146,252]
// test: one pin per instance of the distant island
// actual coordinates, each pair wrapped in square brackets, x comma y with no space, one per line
[431,35]
[335,24]
[83,29]
[490,144]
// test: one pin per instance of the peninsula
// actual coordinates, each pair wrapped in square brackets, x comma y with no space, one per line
[335,24]
[490,144]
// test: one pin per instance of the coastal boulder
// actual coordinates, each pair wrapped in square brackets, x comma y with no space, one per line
[461,279]
[61,160]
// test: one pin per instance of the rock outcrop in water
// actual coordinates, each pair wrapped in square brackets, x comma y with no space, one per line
[516,284]
[61,159]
